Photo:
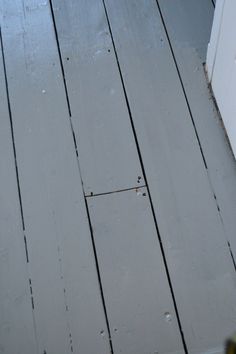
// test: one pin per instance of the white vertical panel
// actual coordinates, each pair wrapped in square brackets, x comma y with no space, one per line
[212,46]
[224,71]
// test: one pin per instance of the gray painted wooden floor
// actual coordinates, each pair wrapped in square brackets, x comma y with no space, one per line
[118,186]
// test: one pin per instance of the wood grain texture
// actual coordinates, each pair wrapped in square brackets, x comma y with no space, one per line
[197,254]
[67,303]
[140,308]
[107,150]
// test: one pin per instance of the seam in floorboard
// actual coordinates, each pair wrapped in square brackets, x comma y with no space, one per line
[181,82]
[12,130]
[77,158]
[116,191]
[14,148]
[193,122]
[222,221]
[232,256]
[18,187]
[146,182]
[99,275]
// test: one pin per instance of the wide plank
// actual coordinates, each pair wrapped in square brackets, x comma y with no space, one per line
[196,250]
[99,112]
[189,42]
[139,304]
[17,333]
[68,309]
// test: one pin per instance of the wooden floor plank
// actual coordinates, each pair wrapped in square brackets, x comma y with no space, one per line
[197,254]
[99,112]
[189,42]
[67,303]
[140,308]
[16,319]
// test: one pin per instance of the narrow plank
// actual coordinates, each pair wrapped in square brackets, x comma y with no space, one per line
[190,52]
[197,253]
[136,290]
[16,319]
[99,112]
[67,303]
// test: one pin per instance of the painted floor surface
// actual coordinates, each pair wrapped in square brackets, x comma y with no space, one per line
[118,186]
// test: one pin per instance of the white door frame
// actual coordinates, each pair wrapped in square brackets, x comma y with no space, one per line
[221,64]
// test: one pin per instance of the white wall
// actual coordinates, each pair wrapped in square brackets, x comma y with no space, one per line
[221,64]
